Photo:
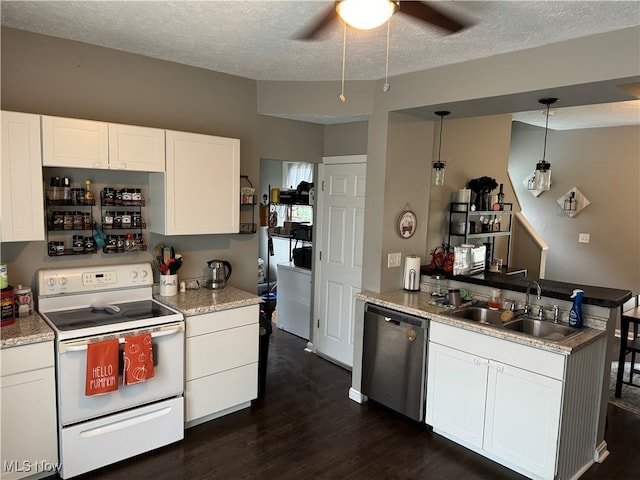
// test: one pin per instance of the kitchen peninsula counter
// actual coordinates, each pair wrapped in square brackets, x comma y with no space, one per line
[597,296]
[204,300]
[419,304]
[25,331]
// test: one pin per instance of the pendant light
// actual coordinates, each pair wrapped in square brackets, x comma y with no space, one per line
[542,176]
[437,174]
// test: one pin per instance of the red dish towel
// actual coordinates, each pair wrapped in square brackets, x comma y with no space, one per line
[138,359]
[102,367]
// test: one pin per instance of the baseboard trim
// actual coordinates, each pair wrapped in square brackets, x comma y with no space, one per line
[601,452]
[356,396]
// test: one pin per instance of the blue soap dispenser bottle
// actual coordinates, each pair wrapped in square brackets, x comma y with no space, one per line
[575,315]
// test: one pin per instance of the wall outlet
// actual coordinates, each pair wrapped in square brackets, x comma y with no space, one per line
[584,238]
[393,260]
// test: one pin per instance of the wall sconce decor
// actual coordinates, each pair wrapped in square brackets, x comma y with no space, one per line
[437,173]
[542,177]
[572,202]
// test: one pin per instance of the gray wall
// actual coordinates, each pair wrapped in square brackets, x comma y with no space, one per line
[46,75]
[603,163]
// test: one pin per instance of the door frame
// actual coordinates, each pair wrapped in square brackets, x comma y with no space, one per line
[317,242]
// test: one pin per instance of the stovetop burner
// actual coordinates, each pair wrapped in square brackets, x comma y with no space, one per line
[94,317]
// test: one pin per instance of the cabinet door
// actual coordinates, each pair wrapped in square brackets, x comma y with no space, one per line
[22,201]
[523,418]
[136,148]
[201,186]
[28,424]
[71,142]
[456,391]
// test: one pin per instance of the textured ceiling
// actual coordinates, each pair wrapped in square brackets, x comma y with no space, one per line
[254,39]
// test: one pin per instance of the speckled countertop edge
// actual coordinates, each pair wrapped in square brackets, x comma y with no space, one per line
[417,303]
[26,330]
[203,300]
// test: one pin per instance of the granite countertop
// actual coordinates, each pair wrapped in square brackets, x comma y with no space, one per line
[598,296]
[204,300]
[418,304]
[26,330]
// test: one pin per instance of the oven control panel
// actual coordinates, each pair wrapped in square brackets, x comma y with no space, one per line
[87,279]
[99,278]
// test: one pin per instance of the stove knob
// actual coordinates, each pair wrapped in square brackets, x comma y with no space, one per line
[62,281]
[143,273]
[51,281]
[134,274]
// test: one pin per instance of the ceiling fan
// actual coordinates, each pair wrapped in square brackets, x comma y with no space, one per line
[423,11]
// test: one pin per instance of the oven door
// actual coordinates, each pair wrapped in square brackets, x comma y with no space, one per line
[168,379]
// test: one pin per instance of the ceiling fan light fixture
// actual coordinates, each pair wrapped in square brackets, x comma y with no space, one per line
[366,14]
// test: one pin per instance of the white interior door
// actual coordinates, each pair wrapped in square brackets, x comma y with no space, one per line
[341,205]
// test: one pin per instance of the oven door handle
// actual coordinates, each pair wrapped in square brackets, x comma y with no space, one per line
[80,346]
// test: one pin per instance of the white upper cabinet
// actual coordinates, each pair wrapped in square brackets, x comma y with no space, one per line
[136,148]
[22,200]
[200,192]
[70,142]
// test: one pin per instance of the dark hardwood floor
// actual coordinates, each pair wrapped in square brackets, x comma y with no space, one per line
[307,428]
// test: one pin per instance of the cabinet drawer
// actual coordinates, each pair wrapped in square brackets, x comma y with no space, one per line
[220,351]
[24,358]
[213,393]
[223,320]
[522,356]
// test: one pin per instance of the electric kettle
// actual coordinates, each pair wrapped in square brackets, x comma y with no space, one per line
[220,273]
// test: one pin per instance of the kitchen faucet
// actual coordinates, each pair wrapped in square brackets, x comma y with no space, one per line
[527,306]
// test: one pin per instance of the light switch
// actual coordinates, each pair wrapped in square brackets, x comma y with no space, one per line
[584,238]
[394,259]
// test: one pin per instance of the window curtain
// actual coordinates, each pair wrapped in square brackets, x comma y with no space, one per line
[298,172]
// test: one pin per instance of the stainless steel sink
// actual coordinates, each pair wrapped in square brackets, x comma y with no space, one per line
[525,325]
[541,329]
[479,314]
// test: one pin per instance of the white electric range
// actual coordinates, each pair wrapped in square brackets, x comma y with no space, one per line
[84,305]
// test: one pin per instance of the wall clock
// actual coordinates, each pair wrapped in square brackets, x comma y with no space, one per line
[407,224]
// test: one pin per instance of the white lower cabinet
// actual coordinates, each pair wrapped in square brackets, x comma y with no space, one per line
[488,395]
[28,400]
[221,363]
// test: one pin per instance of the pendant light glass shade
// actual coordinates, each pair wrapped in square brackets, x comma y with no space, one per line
[437,172]
[365,14]
[542,176]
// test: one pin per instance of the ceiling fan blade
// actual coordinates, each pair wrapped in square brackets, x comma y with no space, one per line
[428,13]
[314,30]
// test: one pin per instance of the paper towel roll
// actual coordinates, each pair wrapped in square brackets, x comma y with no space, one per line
[412,273]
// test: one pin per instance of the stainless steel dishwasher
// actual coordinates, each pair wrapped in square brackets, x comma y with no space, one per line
[394,360]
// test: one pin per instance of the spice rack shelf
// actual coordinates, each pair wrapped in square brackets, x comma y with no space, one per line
[69,222]
[122,220]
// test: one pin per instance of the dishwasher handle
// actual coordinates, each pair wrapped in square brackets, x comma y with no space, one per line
[392,320]
[396,317]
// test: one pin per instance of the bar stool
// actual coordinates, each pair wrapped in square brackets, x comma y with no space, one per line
[629,319]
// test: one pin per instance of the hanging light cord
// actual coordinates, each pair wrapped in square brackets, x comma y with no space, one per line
[440,145]
[386,86]
[344,60]
[546,128]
